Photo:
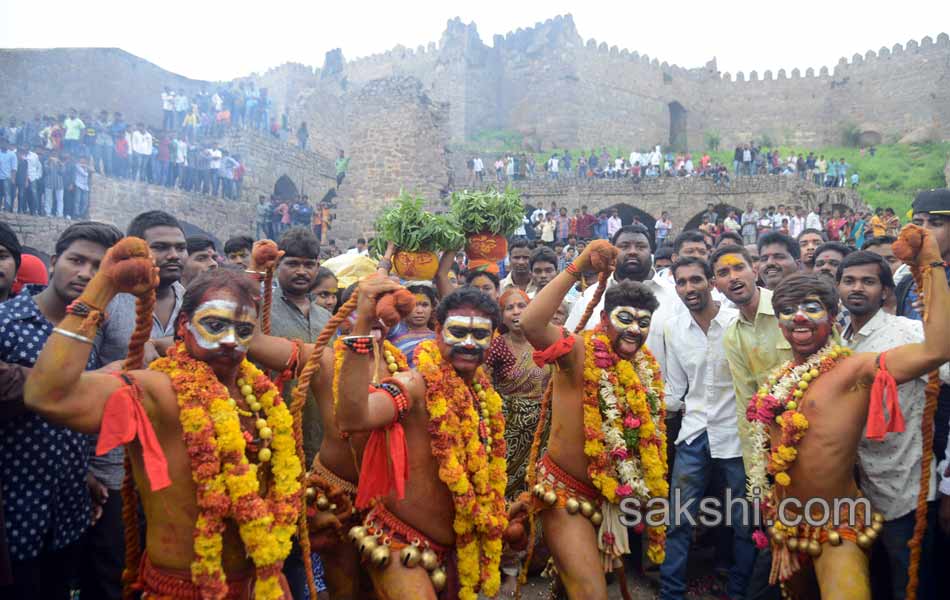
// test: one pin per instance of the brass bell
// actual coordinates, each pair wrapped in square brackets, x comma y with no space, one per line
[311,494]
[538,490]
[410,556]
[597,519]
[587,509]
[871,533]
[877,517]
[429,560]
[864,542]
[877,526]
[367,545]
[356,534]
[380,557]
[792,544]
[572,506]
[438,579]
[834,538]
[550,497]
[814,548]
[323,502]
[778,537]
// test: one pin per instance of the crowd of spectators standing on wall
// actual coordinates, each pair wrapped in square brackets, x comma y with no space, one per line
[749,159]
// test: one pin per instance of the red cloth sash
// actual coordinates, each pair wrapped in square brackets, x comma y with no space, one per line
[123,420]
[385,463]
[884,391]
[555,351]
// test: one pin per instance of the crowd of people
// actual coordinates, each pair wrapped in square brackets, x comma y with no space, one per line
[749,159]
[688,347]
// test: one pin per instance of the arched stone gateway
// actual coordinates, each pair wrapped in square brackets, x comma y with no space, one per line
[721,211]
[678,127]
[285,189]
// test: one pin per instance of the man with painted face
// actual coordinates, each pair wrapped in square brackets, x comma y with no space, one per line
[810,418]
[177,451]
[442,424]
[634,263]
[890,470]
[585,473]
[698,372]
[778,258]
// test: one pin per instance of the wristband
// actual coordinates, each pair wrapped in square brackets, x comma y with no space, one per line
[574,271]
[384,263]
[360,344]
[394,390]
[938,263]
[81,309]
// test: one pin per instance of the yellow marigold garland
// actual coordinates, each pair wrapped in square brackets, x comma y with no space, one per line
[227,484]
[474,472]
[624,428]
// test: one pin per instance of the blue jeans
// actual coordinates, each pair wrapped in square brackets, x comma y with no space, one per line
[897,532]
[81,207]
[691,473]
[6,194]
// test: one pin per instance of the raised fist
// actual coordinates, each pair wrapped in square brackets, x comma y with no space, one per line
[916,246]
[264,255]
[598,256]
[130,267]
[395,306]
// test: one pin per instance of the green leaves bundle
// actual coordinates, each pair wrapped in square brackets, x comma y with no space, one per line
[495,212]
[411,228]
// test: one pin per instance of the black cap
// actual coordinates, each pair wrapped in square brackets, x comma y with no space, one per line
[8,240]
[933,201]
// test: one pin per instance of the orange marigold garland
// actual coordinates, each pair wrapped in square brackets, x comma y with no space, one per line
[227,484]
[624,428]
[471,455]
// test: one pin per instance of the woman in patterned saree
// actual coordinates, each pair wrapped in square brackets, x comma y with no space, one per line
[521,384]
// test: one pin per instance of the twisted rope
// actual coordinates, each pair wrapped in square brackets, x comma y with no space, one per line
[927,434]
[144,306]
[299,398]
[268,300]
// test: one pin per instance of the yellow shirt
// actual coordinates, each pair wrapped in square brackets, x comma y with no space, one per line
[877,226]
[753,351]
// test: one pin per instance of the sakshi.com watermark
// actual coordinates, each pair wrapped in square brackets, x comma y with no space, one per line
[713,511]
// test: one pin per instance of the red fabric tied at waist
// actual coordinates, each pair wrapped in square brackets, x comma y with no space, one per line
[555,351]
[884,391]
[123,420]
[385,462]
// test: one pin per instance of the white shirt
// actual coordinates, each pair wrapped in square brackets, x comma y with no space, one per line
[168,100]
[697,375]
[777,220]
[553,164]
[795,226]
[142,142]
[613,225]
[669,304]
[181,152]
[34,168]
[813,221]
[214,159]
[889,471]
[635,158]
[477,165]
[538,215]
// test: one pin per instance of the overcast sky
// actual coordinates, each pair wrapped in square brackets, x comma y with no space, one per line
[221,40]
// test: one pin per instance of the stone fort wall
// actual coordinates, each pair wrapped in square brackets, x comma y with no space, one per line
[550,85]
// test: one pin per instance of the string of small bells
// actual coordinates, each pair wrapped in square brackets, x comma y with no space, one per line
[808,539]
[374,547]
[572,504]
